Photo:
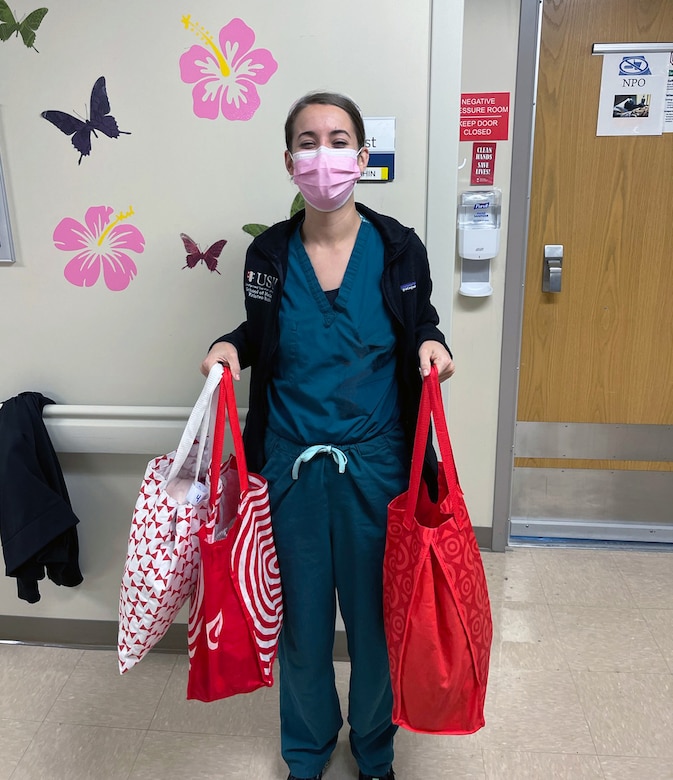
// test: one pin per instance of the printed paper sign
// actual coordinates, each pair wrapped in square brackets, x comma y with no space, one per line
[483,163]
[633,93]
[668,108]
[484,115]
[380,140]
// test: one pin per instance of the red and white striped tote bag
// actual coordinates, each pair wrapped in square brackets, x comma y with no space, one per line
[236,611]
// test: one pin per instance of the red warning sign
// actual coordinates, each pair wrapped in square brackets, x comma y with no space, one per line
[483,162]
[484,115]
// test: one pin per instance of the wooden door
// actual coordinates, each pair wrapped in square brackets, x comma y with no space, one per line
[595,403]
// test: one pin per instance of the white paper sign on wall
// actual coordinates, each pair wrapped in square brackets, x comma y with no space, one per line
[380,140]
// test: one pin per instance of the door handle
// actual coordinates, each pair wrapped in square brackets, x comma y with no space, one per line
[552,268]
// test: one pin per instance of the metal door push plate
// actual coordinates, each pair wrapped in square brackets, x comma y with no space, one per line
[552,268]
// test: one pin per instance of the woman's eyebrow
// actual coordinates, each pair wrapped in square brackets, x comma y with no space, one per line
[313,134]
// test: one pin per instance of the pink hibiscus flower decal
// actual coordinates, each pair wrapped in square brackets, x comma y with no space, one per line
[225,77]
[99,244]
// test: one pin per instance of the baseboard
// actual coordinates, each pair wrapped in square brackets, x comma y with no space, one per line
[102,634]
[484,536]
[64,632]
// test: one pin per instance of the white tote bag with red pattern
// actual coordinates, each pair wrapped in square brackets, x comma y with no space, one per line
[163,551]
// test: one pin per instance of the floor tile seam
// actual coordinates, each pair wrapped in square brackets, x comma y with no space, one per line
[612,566]
[666,652]
[543,752]
[225,734]
[21,721]
[567,652]
[634,755]
[623,559]
[138,752]
[217,734]
[90,724]
[596,607]
[589,604]
[539,575]
[585,714]
[548,753]
[623,674]
[163,692]
[656,644]
[625,581]
[62,688]
[483,762]
[555,640]
[554,754]
[532,601]
[107,728]
[25,750]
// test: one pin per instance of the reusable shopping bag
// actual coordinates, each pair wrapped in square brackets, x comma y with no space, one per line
[437,614]
[236,610]
[162,559]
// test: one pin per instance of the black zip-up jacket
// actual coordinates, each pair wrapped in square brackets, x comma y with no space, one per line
[406,287]
[37,523]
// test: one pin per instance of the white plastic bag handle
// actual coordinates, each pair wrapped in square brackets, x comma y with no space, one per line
[197,425]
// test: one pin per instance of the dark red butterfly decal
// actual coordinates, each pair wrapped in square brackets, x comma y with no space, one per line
[194,254]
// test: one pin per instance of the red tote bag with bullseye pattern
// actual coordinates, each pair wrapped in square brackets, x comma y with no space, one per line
[236,609]
[436,608]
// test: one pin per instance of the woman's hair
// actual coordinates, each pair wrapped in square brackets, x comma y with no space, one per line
[325,99]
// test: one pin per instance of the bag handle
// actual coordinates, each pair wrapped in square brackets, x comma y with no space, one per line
[430,405]
[227,401]
[197,425]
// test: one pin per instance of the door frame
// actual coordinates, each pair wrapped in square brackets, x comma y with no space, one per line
[517,246]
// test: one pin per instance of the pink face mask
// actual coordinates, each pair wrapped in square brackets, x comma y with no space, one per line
[326,177]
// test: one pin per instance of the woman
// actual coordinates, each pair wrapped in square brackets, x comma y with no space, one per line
[339,330]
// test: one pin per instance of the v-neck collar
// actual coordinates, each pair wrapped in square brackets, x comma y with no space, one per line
[330,311]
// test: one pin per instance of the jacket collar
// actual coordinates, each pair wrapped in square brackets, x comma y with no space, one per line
[274,240]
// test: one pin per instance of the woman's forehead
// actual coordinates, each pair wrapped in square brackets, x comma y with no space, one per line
[323,117]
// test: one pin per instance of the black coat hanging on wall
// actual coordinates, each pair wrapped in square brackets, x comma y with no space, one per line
[37,523]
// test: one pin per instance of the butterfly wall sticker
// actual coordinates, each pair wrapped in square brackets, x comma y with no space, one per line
[194,254]
[81,129]
[26,28]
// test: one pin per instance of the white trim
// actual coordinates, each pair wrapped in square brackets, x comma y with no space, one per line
[150,430]
[446,51]
[631,48]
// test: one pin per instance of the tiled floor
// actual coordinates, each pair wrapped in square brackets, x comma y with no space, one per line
[581,687]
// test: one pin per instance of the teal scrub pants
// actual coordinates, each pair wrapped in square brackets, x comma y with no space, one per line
[329,529]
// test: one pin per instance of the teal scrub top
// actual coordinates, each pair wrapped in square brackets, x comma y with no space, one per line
[334,379]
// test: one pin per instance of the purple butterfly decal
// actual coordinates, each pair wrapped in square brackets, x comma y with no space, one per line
[194,254]
[80,129]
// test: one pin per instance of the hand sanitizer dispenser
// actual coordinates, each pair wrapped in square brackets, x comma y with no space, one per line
[478,239]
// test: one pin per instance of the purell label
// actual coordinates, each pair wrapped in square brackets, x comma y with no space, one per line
[196,493]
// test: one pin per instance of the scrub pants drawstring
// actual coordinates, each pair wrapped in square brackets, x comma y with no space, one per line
[339,458]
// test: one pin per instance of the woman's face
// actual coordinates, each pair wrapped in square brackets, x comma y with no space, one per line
[320,125]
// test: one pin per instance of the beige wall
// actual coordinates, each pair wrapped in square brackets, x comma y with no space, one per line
[489,65]
[142,346]
[180,173]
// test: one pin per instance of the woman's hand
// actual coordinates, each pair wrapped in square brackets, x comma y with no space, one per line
[222,352]
[434,353]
